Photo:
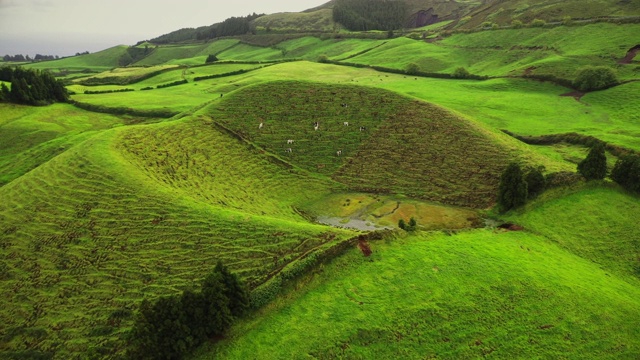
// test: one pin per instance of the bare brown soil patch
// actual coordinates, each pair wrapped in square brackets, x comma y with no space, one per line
[363,245]
[511,227]
[575,94]
[631,54]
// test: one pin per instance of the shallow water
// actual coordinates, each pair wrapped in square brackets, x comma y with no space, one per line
[355,224]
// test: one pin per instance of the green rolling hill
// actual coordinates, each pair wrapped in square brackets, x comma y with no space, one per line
[100,210]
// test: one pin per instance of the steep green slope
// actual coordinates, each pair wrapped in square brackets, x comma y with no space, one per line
[594,222]
[471,295]
[503,12]
[319,20]
[557,51]
[90,233]
[33,135]
[99,61]
[391,143]
[210,166]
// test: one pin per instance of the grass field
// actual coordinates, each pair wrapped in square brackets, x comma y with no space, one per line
[98,212]
[87,235]
[391,144]
[34,135]
[471,295]
[99,61]
[603,230]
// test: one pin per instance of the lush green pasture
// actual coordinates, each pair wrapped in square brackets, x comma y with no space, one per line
[310,48]
[33,135]
[246,52]
[598,223]
[88,234]
[176,98]
[193,54]
[217,169]
[320,20]
[476,294]
[391,143]
[130,74]
[99,61]
[558,51]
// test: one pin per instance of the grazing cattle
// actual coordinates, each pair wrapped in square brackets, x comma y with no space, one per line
[339,153]
[260,126]
[362,128]
[346,123]
[288,150]
[316,125]
[344,105]
[289,141]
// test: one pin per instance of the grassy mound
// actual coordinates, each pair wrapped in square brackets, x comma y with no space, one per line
[471,295]
[87,235]
[405,147]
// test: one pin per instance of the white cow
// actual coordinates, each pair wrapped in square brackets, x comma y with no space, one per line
[346,123]
[260,126]
[289,141]
[339,153]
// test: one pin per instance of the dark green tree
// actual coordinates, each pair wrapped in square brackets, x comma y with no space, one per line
[626,172]
[217,315]
[211,59]
[402,224]
[536,181]
[594,166]
[460,73]
[234,289]
[512,191]
[413,224]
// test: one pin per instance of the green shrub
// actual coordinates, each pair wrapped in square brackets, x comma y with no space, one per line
[412,69]
[626,172]
[591,78]
[323,59]
[538,23]
[512,191]
[535,181]
[460,73]
[594,166]
[517,24]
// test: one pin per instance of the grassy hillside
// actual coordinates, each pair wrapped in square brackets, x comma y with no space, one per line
[558,51]
[319,20]
[88,234]
[471,295]
[526,11]
[99,61]
[405,147]
[601,225]
[190,54]
[34,135]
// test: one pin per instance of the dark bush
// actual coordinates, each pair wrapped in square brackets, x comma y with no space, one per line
[512,191]
[591,78]
[626,172]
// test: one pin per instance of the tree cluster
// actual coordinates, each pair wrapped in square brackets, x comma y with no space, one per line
[626,172]
[594,166]
[22,58]
[365,15]
[230,27]
[172,326]
[516,186]
[31,87]
[411,226]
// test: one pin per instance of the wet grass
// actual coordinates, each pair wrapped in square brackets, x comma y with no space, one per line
[88,234]
[31,136]
[470,295]
[392,144]
[595,222]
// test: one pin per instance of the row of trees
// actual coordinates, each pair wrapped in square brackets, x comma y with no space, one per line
[23,58]
[230,27]
[31,87]
[173,326]
[516,186]
[364,15]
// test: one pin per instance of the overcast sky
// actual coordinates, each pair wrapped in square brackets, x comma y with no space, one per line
[65,27]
